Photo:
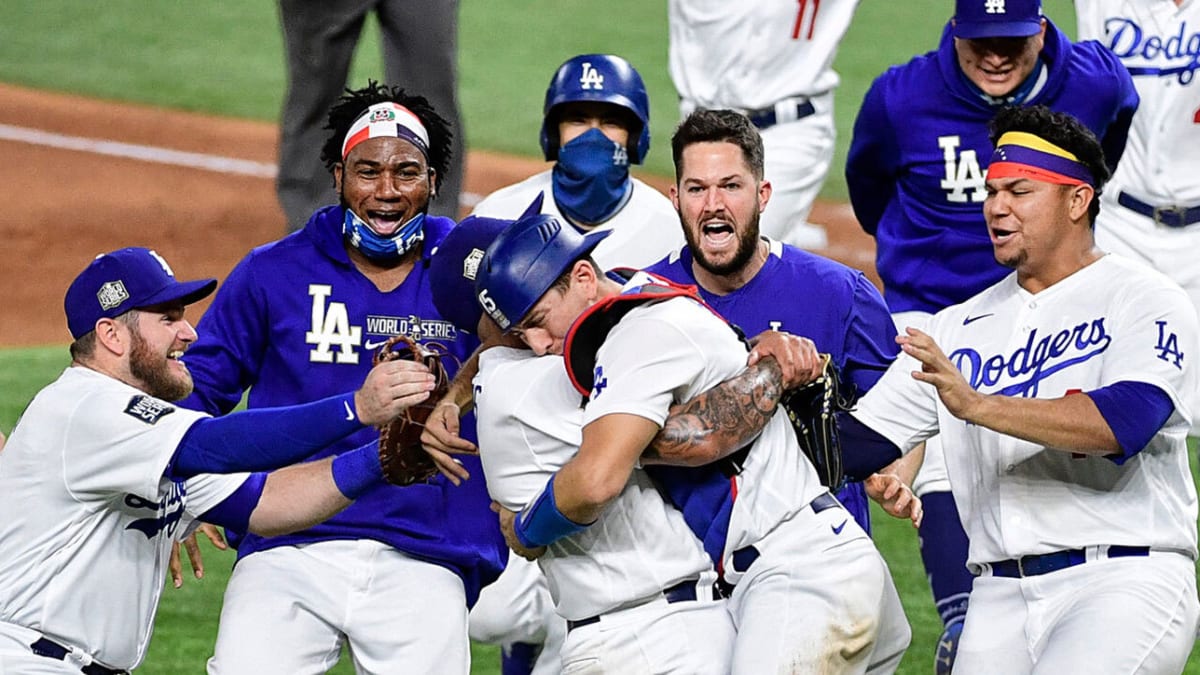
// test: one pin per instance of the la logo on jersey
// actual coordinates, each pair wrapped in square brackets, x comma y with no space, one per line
[994,6]
[964,178]
[591,78]
[1168,346]
[336,340]
[166,513]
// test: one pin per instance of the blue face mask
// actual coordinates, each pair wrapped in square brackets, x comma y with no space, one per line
[591,178]
[379,248]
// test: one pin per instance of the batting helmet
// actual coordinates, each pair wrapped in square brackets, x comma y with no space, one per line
[524,261]
[597,77]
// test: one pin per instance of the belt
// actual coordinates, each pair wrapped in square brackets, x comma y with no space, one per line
[52,650]
[1168,216]
[684,591]
[743,558]
[1034,565]
[787,110]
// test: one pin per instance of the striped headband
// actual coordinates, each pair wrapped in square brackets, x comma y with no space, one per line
[1023,155]
[387,119]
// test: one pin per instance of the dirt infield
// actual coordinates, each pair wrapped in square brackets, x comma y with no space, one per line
[67,205]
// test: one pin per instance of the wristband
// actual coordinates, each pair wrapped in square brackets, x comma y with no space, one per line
[541,523]
[357,471]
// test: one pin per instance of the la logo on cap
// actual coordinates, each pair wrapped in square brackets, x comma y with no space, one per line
[113,294]
[994,6]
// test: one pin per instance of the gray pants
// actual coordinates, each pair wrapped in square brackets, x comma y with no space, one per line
[420,53]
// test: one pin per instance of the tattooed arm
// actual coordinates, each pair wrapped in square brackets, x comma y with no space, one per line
[720,421]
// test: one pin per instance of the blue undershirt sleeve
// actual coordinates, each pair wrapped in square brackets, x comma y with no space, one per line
[234,511]
[1135,411]
[864,450]
[264,438]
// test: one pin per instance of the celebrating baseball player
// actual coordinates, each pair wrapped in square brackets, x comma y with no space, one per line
[1065,392]
[783,544]
[1152,207]
[781,76]
[915,173]
[760,284]
[393,575]
[596,123]
[103,472]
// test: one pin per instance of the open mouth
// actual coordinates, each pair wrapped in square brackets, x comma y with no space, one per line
[385,223]
[717,233]
[1000,236]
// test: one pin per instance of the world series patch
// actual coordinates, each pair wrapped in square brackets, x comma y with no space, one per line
[148,409]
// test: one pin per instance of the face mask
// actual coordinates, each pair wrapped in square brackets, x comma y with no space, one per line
[379,248]
[591,178]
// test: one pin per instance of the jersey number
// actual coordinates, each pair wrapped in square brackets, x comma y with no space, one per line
[812,23]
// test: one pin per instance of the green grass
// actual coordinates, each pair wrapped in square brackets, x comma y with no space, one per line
[226,57]
[187,619]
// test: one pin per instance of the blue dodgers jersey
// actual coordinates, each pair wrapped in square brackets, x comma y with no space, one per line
[296,322]
[804,294]
[920,151]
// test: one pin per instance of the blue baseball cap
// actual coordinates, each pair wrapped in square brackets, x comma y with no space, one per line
[454,266]
[523,262]
[975,19]
[126,279]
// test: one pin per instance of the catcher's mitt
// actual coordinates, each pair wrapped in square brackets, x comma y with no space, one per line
[404,460]
[812,411]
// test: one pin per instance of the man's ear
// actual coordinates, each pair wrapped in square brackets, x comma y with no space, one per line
[1081,199]
[111,336]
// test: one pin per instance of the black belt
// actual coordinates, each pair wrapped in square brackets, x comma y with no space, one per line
[1169,216]
[684,591]
[764,118]
[743,558]
[1033,565]
[52,650]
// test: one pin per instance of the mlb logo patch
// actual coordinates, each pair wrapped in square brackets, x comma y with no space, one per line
[112,294]
[148,409]
[383,115]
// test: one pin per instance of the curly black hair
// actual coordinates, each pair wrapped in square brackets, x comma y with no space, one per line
[1063,130]
[354,102]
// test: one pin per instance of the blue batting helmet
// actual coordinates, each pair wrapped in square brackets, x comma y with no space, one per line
[598,77]
[525,260]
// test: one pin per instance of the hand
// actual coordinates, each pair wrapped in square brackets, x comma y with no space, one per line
[954,390]
[896,498]
[797,356]
[507,526]
[390,388]
[193,551]
[440,439]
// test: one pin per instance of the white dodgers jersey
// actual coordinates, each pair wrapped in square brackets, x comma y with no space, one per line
[87,519]
[1113,321]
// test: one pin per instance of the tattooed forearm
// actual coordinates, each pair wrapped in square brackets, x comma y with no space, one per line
[719,421]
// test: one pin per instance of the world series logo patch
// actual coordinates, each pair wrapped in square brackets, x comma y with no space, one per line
[148,409]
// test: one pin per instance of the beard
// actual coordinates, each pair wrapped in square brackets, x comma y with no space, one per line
[746,247]
[154,372]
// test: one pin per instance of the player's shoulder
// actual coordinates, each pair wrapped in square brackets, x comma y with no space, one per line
[1131,276]
[511,201]
[814,270]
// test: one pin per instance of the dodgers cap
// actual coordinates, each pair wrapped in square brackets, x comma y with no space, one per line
[524,261]
[126,279]
[454,266]
[975,19]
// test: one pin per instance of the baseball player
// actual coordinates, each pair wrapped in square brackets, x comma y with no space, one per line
[596,123]
[915,173]
[103,472]
[1065,393]
[1152,206]
[420,53]
[719,194]
[783,544]
[393,575]
[781,76]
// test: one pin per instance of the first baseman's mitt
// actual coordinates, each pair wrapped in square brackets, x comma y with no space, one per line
[404,460]
[812,411]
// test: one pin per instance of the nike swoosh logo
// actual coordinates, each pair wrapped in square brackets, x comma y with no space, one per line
[837,529]
[972,319]
[369,344]
[349,412]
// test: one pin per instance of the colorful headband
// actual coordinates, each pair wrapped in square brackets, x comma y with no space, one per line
[387,119]
[1023,155]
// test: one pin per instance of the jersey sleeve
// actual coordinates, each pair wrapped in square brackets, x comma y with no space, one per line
[900,408]
[225,360]
[646,364]
[871,162]
[121,442]
[870,342]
